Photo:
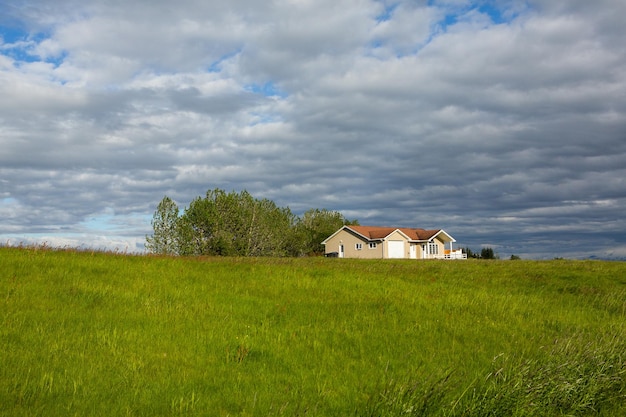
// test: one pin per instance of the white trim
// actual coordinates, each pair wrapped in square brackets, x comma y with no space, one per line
[333,235]
[445,233]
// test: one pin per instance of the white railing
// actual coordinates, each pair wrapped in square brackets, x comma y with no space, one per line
[455,254]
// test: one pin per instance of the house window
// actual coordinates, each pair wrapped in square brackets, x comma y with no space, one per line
[372,245]
[358,246]
[433,248]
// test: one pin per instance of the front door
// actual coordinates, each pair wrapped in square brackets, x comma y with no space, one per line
[341,251]
[413,252]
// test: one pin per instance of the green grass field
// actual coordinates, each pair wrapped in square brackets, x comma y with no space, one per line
[97,334]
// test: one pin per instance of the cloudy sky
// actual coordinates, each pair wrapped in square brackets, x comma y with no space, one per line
[502,122]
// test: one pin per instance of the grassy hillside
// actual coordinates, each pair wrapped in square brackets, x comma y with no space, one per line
[95,334]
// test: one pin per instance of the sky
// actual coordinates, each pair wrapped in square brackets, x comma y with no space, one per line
[502,122]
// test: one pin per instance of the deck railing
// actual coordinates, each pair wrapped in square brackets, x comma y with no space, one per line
[454,254]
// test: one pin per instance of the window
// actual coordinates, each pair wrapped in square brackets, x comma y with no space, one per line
[433,248]
[372,245]
[358,246]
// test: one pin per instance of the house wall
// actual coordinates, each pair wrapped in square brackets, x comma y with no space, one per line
[349,241]
[441,247]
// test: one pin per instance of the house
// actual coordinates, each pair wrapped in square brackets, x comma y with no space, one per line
[373,242]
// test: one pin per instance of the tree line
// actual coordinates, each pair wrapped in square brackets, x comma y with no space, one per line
[237,224]
[486,253]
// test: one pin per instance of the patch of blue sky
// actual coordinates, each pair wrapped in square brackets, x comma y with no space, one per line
[217,65]
[375,49]
[497,13]
[453,12]
[13,34]
[20,45]
[385,16]
[269,89]
[57,60]
[387,13]
[20,51]
[450,20]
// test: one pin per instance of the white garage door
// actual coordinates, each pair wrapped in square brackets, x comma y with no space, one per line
[396,249]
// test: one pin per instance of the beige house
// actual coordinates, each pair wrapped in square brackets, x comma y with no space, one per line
[391,243]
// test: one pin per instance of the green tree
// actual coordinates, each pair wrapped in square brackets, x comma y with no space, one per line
[487,253]
[204,227]
[264,228]
[235,224]
[164,224]
[196,228]
[315,225]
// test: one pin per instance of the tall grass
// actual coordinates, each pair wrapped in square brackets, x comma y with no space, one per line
[89,333]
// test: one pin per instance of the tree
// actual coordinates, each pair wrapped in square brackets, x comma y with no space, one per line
[487,253]
[265,227]
[315,225]
[469,252]
[196,228]
[235,224]
[164,223]
[204,226]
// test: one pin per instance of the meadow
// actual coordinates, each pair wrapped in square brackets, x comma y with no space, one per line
[99,334]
